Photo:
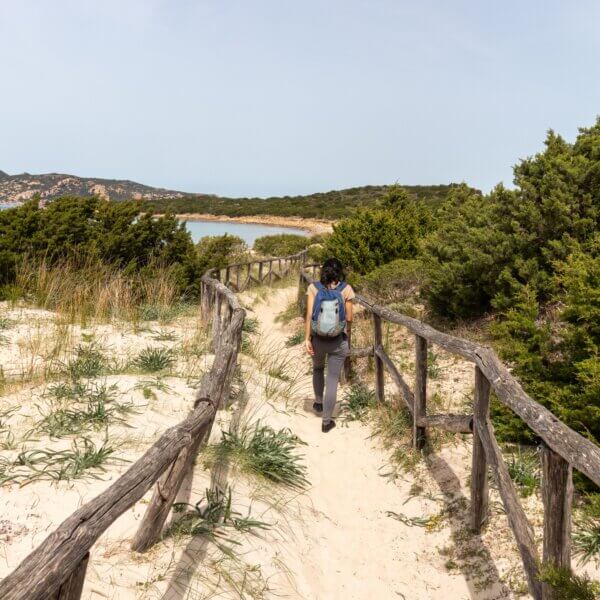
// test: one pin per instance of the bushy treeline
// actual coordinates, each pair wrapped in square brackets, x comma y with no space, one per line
[87,230]
[529,256]
[327,205]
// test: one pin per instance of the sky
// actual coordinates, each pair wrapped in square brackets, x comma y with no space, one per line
[278,97]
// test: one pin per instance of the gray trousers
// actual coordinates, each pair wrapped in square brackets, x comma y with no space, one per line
[335,350]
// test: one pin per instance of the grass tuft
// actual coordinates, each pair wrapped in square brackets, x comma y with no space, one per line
[211,517]
[94,408]
[357,402]
[524,470]
[262,451]
[89,361]
[153,360]
[83,459]
[250,325]
[586,534]
[295,339]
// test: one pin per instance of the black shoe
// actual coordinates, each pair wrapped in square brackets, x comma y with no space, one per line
[326,427]
[318,407]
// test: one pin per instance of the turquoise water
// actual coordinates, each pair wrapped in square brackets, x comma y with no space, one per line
[249,232]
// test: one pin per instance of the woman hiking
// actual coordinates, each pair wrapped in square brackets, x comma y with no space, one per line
[328,316]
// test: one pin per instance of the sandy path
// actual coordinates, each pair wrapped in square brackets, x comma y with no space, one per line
[334,541]
[349,548]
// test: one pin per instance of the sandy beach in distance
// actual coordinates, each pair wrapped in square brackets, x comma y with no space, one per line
[309,225]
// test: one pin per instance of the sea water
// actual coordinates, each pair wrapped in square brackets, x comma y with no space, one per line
[249,232]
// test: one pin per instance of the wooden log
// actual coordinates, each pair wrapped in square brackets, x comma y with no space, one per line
[247,279]
[71,588]
[453,344]
[574,448]
[580,452]
[165,492]
[479,479]
[214,386]
[557,495]
[216,325]
[420,403]
[449,422]
[348,361]
[397,378]
[514,511]
[302,288]
[42,572]
[361,352]
[377,343]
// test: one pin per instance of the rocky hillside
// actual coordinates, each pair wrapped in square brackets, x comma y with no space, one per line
[15,189]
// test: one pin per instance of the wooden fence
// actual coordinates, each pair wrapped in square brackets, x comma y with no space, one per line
[562,448]
[56,569]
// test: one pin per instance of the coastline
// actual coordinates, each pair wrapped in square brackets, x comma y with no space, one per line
[312,226]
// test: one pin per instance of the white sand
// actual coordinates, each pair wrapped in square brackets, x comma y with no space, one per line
[335,541]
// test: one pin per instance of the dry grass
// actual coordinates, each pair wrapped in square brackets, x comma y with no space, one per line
[96,291]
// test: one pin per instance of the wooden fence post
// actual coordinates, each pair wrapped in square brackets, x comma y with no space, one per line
[260,272]
[479,480]
[557,495]
[72,587]
[165,492]
[216,325]
[302,287]
[377,342]
[420,433]
[348,361]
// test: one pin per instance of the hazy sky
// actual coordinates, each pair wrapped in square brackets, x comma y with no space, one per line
[259,97]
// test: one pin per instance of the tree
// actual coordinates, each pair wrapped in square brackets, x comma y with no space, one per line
[375,236]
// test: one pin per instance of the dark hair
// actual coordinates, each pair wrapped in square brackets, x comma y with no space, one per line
[332,270]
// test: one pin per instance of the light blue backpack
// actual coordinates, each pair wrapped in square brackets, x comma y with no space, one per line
[329,311]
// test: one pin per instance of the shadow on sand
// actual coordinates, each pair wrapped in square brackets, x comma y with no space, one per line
[473,558]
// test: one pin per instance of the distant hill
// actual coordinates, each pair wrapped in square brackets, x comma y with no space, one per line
[323,205]
[23,187]
[16,189]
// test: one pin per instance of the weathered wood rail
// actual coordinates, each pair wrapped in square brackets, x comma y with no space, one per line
[562,448]
[56,569]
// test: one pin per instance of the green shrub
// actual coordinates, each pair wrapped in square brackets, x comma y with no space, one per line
[282,244]
[394,281]
[217,251]
[486,249]
[375,236]
[568,586]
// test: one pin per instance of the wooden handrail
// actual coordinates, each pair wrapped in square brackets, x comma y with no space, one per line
[563,448]
[56,568]
[583,454]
